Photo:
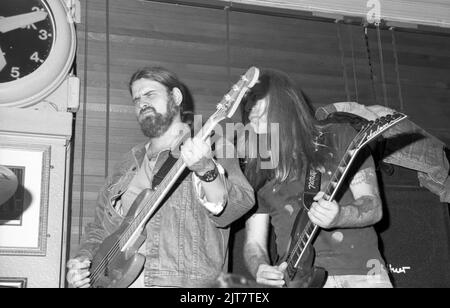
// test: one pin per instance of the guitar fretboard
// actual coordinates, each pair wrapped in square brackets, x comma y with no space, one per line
[310,229]
[367,133]
[151,203]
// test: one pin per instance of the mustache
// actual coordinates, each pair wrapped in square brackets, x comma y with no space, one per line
[146,109]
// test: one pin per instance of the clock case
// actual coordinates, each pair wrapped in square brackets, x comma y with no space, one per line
[36,86]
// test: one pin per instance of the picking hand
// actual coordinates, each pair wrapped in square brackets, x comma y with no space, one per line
[271,275]
[197,155]
[78,272]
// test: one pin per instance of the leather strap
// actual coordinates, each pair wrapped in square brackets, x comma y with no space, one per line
[313,181]
[165,168]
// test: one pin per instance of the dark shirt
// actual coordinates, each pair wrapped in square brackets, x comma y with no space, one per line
[339,251]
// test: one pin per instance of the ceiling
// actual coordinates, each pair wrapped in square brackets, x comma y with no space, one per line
[414,12]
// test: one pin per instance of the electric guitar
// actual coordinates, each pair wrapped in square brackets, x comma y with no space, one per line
[300,271]
[117,263]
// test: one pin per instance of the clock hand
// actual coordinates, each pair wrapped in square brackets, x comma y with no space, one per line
[14,22]
[2,60]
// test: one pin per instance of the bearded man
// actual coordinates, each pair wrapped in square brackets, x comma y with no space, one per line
[187,238]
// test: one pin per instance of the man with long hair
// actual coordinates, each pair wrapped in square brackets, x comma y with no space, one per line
[347,245]
[187,239]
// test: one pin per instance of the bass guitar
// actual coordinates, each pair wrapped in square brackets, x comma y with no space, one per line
[300,271]
[117,263]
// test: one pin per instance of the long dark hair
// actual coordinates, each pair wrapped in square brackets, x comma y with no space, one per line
[297,128]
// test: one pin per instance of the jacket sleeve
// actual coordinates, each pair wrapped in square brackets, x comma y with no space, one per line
[95,231]
[240,195]
[106,219]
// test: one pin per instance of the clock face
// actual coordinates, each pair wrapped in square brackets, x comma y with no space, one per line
[27,35]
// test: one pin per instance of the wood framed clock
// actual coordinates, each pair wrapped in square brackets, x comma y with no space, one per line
[37,49]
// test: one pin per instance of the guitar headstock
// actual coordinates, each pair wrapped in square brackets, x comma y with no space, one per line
[368,133]
[374,128]
[230,102]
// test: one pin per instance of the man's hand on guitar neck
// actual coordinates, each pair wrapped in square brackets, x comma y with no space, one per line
[324,213]
[197,155]
[78,272]
[271,275]
[365,210]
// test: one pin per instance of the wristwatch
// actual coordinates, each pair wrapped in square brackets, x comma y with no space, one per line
[209,176]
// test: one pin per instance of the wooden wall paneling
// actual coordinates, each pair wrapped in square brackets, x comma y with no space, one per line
[190,41]
[427,98]
[357,63]
[423,78]
[432,12]
[89,148]
[307,51]
[384,76]
[183,39]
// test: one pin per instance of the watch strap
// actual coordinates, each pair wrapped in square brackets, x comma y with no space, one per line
[210,175]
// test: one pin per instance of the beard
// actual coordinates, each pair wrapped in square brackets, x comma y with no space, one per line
[156,124]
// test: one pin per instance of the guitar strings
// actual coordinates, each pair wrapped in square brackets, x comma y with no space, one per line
[309,224]
[352,146]
[113,251]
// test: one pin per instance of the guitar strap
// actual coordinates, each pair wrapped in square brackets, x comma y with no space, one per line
[313,178]
[169,163]
[313,181]
[164,169]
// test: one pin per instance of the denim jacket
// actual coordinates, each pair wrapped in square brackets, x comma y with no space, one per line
[407,145]
[186,245]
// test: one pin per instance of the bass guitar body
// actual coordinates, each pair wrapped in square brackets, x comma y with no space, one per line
[114,267]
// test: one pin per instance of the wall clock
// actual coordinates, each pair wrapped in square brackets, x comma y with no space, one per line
[37,49]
